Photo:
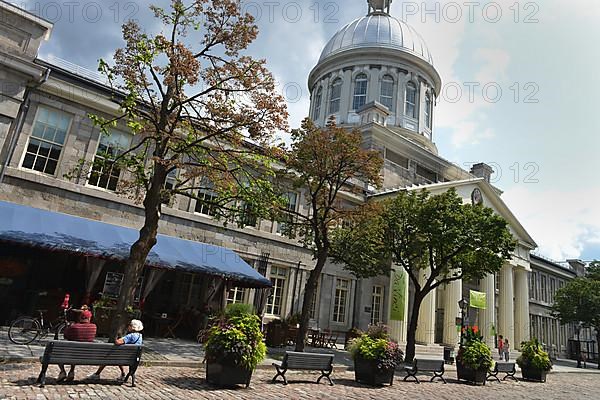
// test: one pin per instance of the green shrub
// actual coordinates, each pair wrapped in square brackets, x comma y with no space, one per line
[474,353]
[238,309]
[534,356]
[376,346]
[236,340]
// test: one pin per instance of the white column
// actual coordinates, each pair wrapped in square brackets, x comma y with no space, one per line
[452,295]
[398,329]
[426,324]
[488,316]
[521,307]
[506,304]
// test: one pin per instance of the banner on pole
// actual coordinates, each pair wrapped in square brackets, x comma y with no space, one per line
[398,296]
[477,299]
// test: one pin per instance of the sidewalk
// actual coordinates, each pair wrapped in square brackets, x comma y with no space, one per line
[187,353]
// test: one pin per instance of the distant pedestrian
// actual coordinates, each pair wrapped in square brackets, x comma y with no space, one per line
[501,347]
[506,350]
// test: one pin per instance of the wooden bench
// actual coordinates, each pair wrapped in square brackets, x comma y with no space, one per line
[305,361]
[508,368]
[424,365]
[83,353]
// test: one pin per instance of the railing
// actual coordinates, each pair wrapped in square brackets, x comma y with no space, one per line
[76,69]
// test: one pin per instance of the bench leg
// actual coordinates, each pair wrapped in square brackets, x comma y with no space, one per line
[412,374]
[325,374]
[280,372]
[438,375]
[510,375]
[42,376]
[132,371]
[492,375]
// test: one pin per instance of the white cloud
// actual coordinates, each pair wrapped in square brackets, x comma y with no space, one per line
[562,222]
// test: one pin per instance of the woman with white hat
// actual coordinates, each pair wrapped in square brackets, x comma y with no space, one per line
[134,336]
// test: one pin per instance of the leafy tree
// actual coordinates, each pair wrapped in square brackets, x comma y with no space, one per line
[579,300]
[325,162]
[199,108]
[435,236]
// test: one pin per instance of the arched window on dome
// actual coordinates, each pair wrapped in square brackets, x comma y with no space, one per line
[410,105]
[428,110]
[335,96]
[360,91]
[317,104]
[386,96]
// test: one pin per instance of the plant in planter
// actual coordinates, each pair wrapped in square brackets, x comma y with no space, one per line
[474,357]
[375,356]
[534,361]
[234,348]
[352,334]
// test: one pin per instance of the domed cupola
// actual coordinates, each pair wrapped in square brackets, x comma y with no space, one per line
[377,60]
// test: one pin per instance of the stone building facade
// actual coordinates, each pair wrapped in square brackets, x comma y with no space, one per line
[375,75]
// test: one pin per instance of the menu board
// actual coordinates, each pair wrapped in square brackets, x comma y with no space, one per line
[113,283]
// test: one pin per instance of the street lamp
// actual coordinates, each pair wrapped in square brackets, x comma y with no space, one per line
[462,304]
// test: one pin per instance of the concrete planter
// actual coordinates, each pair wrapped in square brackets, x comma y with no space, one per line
[532,374]
[474,376]
[227,375]
[365,371]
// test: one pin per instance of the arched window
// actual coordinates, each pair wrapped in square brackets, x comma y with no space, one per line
[335,96]
[410,106]
[386,96]
[360,92]
[317,106]
[428,110]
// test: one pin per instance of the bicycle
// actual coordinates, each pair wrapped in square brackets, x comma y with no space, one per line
[26,329]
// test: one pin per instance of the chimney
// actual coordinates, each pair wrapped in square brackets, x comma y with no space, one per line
[578,266]
[482,170]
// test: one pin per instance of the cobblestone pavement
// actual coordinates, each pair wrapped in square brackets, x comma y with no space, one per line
[17,382]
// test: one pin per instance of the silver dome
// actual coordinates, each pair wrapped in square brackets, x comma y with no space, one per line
[377,30]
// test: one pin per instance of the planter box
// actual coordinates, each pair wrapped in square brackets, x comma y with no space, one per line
[531,374]
[227,375]
[475,376]
[365,371]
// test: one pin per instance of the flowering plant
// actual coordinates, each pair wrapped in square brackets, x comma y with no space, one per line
[474,353]
[534,356]
[236,340]
[376,345]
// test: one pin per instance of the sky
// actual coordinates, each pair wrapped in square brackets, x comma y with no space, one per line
[519,86]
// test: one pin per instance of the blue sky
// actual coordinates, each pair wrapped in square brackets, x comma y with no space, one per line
[543,143]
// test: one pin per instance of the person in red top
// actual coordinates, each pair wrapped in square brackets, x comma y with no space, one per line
[82,331]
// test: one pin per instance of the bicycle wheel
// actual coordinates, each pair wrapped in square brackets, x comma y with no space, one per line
[24,330]
[59,331]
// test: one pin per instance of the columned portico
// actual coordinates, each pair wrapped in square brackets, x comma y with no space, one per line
[426,328]
[506,322]
[521,307]
[452,295]
[488,316]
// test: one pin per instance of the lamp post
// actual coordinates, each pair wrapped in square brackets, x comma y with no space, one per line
[462,304]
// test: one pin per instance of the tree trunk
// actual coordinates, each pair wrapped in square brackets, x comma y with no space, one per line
[598,342]
[412,328]
[139,252]
[311,287]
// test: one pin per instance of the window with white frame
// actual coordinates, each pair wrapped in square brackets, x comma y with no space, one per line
[278,277]
[105,174]
[410,107]
[236,295]
[428,110]
[282,226]
[46,142]
[360,91]
[386,96]
[376,304]
[340,302]
[170,183]
[318,98]
[206,203]
[248,216]
[335,96]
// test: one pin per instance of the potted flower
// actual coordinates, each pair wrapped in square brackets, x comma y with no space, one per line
[375,356]
[474,358]
[534,361]
[234,347]
[352,334]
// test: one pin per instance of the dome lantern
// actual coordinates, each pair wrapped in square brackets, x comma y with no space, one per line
[379,6]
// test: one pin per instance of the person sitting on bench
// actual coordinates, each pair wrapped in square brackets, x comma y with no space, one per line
[82,331]
[134,336]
